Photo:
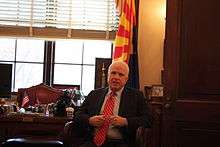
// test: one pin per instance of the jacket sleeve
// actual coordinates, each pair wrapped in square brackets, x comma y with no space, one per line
[143,117]
[137,113]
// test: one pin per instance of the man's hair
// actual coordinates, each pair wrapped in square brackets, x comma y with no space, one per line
[121,63]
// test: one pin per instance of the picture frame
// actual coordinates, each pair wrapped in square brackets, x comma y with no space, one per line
[101,72]
[157,90]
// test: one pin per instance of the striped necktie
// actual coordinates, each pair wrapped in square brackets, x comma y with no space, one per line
[100,134]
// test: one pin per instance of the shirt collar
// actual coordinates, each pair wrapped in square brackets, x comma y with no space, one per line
[118,93]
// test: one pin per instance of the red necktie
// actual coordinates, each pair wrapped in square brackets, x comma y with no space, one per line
[100,134]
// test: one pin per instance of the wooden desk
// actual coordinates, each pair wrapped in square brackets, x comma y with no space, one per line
[31,126]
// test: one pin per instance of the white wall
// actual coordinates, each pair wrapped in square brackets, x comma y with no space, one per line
[150,41]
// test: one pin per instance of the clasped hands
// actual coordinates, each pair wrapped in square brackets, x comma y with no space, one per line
[98,120]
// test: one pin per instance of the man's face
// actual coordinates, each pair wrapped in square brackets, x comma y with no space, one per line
[117,77]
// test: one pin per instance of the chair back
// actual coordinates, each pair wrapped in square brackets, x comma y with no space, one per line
[40,93]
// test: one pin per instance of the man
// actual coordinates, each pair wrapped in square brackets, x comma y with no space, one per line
[113,114]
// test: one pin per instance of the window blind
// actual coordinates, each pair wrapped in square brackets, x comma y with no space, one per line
[58,18]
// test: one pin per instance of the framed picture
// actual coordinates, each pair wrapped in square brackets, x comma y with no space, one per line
[157,91]
[101,71]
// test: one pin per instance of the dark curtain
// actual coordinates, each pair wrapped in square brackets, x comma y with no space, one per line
[133,62]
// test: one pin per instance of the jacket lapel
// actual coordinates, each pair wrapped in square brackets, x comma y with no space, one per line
[101,96]
[123,102]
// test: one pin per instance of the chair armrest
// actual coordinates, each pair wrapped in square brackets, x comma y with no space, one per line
[143,137]
[67,133]
[73,135]
[67,129]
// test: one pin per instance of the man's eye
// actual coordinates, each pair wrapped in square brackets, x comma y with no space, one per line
[120,74]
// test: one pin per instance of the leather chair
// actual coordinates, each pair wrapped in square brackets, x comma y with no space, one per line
[73,137]
[19,142]
[42,93]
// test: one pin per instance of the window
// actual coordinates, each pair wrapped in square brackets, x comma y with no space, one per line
[26,56]
[59,18]
[74,61]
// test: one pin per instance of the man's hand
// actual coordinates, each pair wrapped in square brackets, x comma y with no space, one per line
[97,120]
[119,121]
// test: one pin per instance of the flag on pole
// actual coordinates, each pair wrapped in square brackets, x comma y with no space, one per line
[123,39]
[25,100]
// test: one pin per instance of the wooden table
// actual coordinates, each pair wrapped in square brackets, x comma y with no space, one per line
[31,126]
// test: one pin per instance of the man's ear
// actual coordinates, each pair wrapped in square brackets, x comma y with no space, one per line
[126,78]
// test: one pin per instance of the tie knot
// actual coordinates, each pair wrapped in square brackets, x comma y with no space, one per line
[113,94]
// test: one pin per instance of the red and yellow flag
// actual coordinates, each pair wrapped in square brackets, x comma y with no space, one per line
[123,39]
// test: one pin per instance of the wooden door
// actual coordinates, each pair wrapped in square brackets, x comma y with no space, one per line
[191,112]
